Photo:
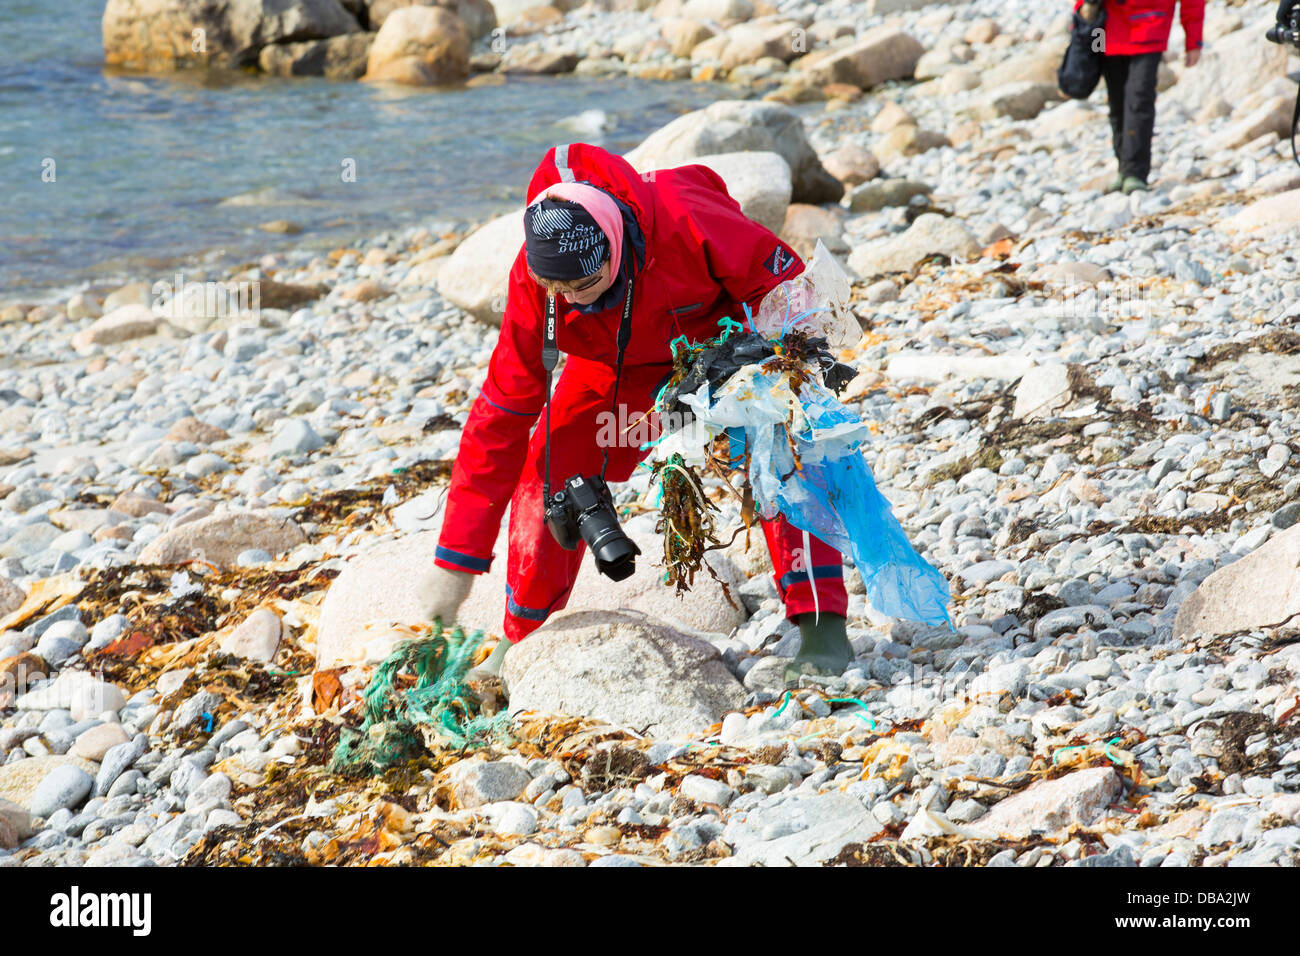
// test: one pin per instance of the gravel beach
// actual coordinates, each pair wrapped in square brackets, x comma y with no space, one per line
[1085,408]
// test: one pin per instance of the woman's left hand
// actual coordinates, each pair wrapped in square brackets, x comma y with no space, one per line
[1192,57]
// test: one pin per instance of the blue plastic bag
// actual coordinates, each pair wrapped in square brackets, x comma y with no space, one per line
[830,492]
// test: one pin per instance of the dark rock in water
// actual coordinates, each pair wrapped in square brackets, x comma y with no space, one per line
[337,58]
[156,35]
[539,61]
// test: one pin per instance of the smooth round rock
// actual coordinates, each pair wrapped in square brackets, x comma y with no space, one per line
[63,788]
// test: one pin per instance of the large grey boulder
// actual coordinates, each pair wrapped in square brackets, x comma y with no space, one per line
[218,539]
[1231,68]
[805,830]
[476,276]
[624,668]
[377,590]
[1261,589]
[730,126]
[758,181]
[338,58]
[1079,799]
[882,54]
[163,35]
[64,787]
[420,46]
[931,234]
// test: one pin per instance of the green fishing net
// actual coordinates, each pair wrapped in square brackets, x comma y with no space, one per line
[437,710]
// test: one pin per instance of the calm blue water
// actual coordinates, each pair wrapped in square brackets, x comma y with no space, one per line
[142,164]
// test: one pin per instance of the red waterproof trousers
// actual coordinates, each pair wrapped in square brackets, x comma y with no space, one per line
[541,574]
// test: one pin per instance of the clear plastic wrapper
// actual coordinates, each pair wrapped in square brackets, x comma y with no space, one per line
[816,301]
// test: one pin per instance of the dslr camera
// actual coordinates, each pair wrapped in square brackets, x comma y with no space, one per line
[1286,32]
[584,511]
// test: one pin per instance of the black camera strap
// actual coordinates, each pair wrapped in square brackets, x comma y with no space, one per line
[551,357]
[1295,120]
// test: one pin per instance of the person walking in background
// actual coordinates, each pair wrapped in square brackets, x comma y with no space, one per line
[1136,35]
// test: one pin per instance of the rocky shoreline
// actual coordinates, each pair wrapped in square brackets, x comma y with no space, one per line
[1087,413]
[805,51]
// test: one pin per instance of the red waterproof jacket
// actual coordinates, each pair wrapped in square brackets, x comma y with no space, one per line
[703,258]
[1143,26]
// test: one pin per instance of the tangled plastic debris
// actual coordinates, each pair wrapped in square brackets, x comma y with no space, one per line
[804,448]
[416,697]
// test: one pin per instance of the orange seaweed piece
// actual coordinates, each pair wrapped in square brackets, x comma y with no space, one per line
[130,645]
[1000,249]
[326,688]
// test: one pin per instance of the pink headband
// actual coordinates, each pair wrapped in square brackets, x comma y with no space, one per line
[603,209]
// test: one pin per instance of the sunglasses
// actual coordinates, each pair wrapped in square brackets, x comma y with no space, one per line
[565,288]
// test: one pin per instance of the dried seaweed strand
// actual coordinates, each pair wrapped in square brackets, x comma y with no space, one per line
[686,522]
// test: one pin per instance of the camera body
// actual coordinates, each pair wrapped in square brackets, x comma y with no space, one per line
[1286,33]
[584,511]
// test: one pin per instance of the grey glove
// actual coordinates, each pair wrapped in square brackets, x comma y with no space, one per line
[440,592]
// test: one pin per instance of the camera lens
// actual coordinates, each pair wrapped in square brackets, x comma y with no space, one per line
[616,556]
[613,551]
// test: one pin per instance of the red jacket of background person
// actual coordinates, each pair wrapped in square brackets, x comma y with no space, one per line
[1143,26]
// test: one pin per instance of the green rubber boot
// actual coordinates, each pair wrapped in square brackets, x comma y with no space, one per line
[824,648]
[1134,185]
[1117,184]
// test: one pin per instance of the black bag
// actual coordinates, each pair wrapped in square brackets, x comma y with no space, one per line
[1080,69]
[715,365]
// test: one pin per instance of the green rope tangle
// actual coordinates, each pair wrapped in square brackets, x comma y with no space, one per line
[1105,750]
[417,698]
[865,713]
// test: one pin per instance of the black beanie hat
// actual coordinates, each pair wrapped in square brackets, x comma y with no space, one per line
[562,241]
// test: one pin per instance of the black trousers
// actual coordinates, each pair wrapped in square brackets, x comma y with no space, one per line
[1131,86]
